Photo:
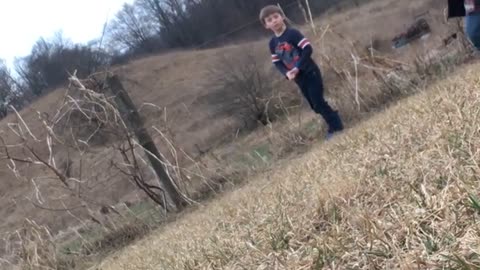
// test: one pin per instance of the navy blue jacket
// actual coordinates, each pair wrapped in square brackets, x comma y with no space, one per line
[291,50]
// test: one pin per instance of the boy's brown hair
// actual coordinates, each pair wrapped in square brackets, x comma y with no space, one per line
[269,10]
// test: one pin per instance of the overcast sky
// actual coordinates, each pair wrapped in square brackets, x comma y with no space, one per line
[23,22]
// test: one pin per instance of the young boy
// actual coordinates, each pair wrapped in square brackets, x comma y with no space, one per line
[291,54]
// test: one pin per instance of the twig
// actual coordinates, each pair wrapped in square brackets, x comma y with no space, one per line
[355,62]
[24,124]
[60,176]
[38,194]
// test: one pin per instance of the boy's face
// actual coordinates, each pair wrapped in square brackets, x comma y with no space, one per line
[275,22]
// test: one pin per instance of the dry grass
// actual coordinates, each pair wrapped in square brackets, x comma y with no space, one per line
[398,192]
[196,119]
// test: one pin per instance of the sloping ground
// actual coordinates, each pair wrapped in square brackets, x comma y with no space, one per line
[180,82]
[399,191]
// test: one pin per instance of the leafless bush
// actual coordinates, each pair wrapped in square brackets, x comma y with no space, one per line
[251,86]
[82,120]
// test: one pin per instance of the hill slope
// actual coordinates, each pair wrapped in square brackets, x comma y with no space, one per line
[400,191]
[200,114]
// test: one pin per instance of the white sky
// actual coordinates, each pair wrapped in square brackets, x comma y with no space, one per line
[23,22]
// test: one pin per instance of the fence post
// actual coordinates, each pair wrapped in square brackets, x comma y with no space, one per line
[132,118]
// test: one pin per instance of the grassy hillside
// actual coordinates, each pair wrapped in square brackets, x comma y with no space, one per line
[205,122]
[400,191]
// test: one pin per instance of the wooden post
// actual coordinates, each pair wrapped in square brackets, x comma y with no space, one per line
[311,17]
[132,118]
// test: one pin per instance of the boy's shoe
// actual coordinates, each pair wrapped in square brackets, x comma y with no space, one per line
[330,134]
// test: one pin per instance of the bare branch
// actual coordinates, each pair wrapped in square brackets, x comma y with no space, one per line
[24,124]
[60,176]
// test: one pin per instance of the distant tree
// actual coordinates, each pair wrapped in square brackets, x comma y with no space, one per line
[11,92]
[132,30]
[6,88]
[152,25]
[50,62]
[168,19]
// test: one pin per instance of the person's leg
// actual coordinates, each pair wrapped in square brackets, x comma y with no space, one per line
[303,84]
[472,29]
[313,90]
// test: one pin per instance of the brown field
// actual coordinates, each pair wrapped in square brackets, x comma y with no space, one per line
[181,87]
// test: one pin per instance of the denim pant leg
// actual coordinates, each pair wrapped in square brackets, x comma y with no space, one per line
[311,85]
[472,28]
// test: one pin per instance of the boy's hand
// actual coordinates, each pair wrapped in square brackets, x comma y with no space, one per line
[292,73]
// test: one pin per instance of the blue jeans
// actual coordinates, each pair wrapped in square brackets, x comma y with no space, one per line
[472,28]
[311,85]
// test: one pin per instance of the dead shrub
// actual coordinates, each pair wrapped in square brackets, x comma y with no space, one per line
[244,79]
[79,120]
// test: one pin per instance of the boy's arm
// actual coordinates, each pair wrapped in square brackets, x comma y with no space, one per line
[278,62]
[303,44]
